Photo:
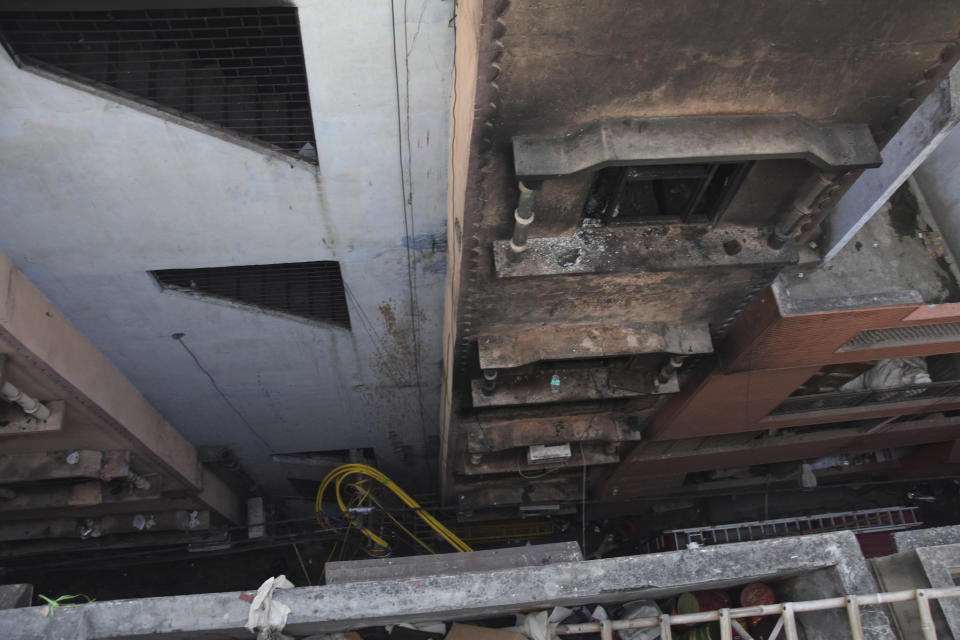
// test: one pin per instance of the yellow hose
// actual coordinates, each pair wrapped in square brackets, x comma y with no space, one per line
[337,477]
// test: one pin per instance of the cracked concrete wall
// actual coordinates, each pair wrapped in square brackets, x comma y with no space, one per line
[97,191]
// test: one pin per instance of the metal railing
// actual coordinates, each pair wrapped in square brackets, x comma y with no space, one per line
[729,618]
[848,399]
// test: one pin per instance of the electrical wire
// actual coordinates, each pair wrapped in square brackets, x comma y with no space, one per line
[81,555]
[338,475]
[398,523]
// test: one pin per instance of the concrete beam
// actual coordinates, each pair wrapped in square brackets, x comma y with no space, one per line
[107,525]
[56,465]
[42,499]
[80,494]
[14,422]
[576,385]
[22,551]
[802,561]
[917,138]
[40,334]
[567,342]
[650,459]
[646,248]
[516,460]
[485,435]
[512,491]
[685,139]
[451,563]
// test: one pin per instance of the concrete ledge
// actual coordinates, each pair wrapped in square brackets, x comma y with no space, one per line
[452,563]
[932,537]
[646,248]
[349,606]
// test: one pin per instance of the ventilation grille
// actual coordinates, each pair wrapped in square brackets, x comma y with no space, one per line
[903,336]
[311,290]
[848,399]
[241,69]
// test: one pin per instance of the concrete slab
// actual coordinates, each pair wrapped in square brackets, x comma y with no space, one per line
[940,566]
[834,559]
[919,136]
[572,341]
[452,563]
[931,537]
[888,262]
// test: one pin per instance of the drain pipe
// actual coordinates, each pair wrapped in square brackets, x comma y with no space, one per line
[30,405]
[801,208]
[523,218]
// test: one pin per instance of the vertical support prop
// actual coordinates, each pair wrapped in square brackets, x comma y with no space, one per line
[853,613]
[666,632]
[790,622]
[744,635]
[606,630]
[926,617]
[523,218]
[726,628]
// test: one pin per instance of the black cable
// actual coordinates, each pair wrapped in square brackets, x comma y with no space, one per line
[276,540]
[179,338]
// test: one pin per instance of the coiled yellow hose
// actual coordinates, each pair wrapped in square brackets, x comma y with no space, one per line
[337,477]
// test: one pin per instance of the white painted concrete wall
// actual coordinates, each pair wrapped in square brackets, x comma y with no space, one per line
[94,193]
[939,181]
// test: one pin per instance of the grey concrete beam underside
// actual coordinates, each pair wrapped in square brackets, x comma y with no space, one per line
[919,136]
[473,595]
[684,139]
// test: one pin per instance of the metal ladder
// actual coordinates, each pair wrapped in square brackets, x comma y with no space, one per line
[861,521]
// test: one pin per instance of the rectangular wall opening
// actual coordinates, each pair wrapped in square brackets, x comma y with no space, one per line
[312,290]
[240,69]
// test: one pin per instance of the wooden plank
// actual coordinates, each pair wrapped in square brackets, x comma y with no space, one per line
[919,136]
[517,490]
[515,460]
[53,465]
[42,334]
[572,341]
[484,436]
[80,494]
[88,493]
[576,385]
[107,525]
